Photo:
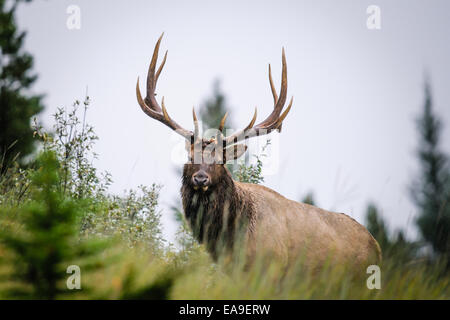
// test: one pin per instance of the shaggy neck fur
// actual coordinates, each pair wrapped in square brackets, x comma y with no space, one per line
[218,215]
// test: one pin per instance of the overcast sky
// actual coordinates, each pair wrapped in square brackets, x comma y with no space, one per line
[350,136]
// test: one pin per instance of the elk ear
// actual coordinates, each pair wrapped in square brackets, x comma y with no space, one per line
[234,152]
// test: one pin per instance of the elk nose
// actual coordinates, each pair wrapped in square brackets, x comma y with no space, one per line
[200,179]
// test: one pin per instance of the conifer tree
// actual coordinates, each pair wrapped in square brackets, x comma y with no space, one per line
[17,105]
[376,226]
[431,191]
[309,198]
[394,246]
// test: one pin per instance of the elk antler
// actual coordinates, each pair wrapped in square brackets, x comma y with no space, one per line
[274,120]
[150,106]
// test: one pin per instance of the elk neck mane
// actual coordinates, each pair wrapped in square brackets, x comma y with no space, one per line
[217,216]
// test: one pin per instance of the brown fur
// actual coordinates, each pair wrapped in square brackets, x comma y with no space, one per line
[271,224]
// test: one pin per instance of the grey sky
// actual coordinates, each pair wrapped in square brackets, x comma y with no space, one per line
[350,136]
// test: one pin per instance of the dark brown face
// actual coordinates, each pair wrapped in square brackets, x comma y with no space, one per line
[204,176]
[206,164]
[205,167]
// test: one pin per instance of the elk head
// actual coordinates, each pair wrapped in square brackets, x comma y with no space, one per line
[205,167]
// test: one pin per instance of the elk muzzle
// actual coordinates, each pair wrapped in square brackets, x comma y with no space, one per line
[201,179]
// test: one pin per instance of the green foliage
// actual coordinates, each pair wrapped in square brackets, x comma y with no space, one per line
[394,247]
[263,281]
[158,289]
[17,106]
[252,173]
[52,213]
[309,198]
[431,191]
[185,239]
[376,226]
[134,219]
[73,140]
[14,184]
[42,236]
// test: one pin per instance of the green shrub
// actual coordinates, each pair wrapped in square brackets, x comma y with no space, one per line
[42,236]
[252,173]
[73,140]
[134,218]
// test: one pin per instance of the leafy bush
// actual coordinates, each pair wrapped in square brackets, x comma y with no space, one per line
[14,183]
[134,218]
[252,173]
[73,141]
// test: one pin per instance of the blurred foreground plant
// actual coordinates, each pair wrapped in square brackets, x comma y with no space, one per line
[41,237]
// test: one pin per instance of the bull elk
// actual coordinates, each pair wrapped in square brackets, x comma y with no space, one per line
[219,209]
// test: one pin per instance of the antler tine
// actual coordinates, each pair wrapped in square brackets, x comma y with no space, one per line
[222,122]
[273,117]
[151,77]
[219,135]
[272,87]
[274,120]
[196,130]
[149,105]
[283,115]
[160,68]
[274,93]
[240,135]
[149,111]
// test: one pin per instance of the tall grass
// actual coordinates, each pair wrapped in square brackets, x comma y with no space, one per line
[140,274]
